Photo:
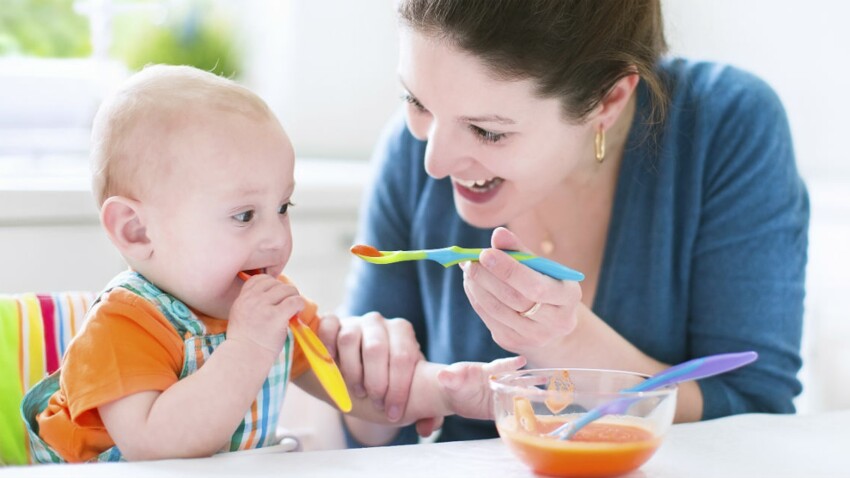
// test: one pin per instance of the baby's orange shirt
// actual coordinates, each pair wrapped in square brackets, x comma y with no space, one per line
[99,367]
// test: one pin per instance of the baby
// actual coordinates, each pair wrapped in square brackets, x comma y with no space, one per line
[179,357]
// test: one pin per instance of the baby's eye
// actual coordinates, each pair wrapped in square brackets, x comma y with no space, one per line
[244,217]
[285,207]
[486,136]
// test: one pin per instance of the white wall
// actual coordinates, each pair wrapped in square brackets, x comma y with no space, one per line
[800,48]
[327,68]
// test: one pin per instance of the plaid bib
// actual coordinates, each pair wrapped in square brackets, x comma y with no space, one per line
[258,426]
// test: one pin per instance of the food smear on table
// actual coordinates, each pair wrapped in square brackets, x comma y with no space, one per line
[607,447]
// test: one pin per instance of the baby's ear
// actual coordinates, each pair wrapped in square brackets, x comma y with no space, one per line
[124,224]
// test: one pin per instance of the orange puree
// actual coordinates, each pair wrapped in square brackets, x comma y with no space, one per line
[599,449]
[364,250]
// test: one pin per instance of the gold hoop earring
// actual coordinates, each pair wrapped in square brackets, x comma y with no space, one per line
[600,145]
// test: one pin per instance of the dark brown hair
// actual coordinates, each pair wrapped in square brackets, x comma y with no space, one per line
[575,50]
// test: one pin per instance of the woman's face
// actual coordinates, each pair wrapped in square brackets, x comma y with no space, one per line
[504,147]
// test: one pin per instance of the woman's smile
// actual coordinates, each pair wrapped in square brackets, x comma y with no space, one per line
[478,190]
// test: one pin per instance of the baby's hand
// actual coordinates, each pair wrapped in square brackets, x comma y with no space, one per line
[261,313]
[466,385]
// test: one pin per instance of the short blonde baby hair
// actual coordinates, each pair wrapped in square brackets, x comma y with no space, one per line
[125,127]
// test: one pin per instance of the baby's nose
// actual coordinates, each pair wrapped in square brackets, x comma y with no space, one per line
[276,236]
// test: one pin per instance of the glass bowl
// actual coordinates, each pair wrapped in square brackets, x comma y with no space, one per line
[529,404]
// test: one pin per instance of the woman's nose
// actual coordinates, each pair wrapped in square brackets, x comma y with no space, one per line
[444,152]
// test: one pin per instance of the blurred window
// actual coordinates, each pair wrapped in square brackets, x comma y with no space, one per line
[59,57]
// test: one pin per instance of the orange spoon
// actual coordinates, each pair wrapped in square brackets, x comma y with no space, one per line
[318,356]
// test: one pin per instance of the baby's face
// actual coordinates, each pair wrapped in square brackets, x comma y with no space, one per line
[219,208]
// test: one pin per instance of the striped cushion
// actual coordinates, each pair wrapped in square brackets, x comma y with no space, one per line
[35,330]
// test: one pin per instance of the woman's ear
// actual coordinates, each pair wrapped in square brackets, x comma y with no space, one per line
[613,104]
[124,223]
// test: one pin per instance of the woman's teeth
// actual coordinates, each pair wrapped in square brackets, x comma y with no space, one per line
[480,185]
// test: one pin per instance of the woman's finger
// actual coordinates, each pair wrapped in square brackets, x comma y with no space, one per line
[527,282]
[503,238]
[483,279]
[510,329]
[508,333]
[328,332]
[348,350]
[404,354]
[375,352]
[508,308]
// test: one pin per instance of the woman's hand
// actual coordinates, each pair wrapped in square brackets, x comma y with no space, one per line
[526,311]
[377,358]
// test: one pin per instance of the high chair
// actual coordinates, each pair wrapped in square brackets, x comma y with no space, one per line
[35,330]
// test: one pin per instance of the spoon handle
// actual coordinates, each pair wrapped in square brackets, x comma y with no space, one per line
[691,370]
[449,256]
[695,369]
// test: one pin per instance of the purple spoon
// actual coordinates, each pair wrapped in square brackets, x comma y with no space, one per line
[691,370]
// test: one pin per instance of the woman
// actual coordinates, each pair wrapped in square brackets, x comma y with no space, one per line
[671,184]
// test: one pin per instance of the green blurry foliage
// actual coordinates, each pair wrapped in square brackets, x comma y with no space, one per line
[193,33]
[43,28]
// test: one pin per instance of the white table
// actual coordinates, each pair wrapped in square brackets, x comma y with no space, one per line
[798,446]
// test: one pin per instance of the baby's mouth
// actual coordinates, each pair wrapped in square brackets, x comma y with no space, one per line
[480,185]
[246,274]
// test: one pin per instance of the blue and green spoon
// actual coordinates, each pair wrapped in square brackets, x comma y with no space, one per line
[449,256]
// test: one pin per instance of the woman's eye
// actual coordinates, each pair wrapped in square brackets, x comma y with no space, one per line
[413,101]
[285,207]
[486,136]
[244,217]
